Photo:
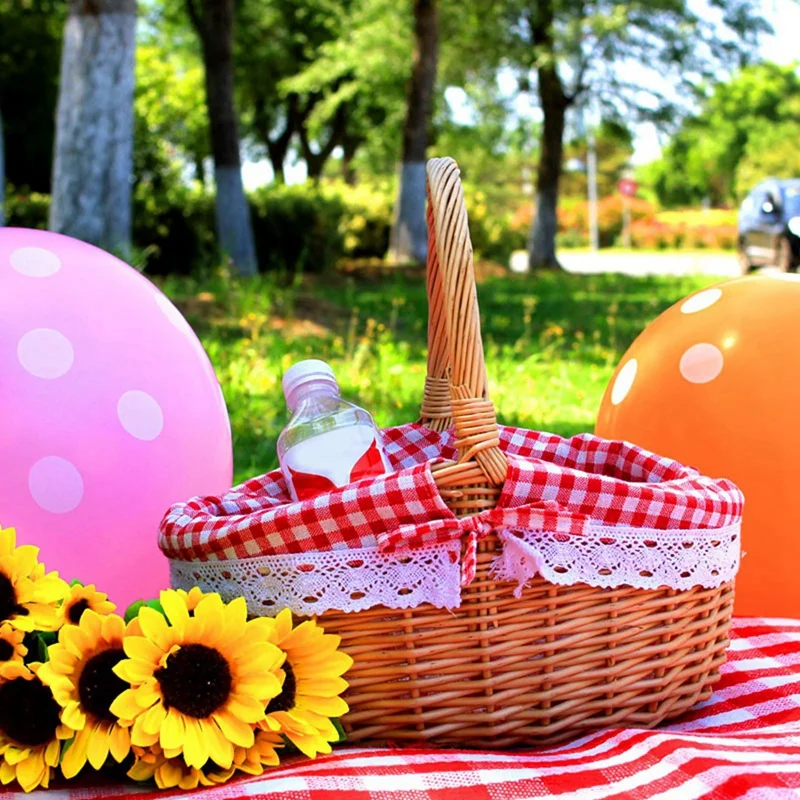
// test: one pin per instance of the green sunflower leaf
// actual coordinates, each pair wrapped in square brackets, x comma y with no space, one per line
[339,729]
[134,608]
[64,747]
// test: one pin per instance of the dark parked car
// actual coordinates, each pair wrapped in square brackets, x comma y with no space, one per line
[769,225]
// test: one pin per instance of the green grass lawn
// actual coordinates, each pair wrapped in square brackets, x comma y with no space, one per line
[552,341]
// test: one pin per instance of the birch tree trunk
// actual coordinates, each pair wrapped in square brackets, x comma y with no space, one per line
[409,238]
[213,21]
[91,198]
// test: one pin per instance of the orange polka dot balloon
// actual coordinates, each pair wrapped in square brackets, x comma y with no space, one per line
[714,382]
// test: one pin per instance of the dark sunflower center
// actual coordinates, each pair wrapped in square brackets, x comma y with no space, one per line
[196,680]
[98,686]
[8,600]
[28,712]
[6,650]
[76,610]
[285,700]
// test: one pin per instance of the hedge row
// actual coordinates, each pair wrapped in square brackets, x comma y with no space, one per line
[312,228]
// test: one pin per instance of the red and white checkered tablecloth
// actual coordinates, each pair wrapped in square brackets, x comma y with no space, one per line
[742,743]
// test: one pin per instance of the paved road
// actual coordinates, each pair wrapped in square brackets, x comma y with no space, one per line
[725,266]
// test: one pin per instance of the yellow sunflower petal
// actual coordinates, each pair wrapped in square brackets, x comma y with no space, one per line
[195,746]
[133,671]
[72,715]
[325,706]
[309,745]
[119,743]
[142,649]
[246,708]
[175,608]
[125,706]
[220,749]
[154,627]
[154,718]
[33,771]
[236,731]
[97,749]
[173,731]
[141,770]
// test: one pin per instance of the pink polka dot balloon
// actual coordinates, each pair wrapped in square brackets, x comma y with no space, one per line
[110,411]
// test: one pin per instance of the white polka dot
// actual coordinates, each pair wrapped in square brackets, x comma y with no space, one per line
[55,485]
[701,363]
[701,301]
[624,381]
[35,262]
[172,313]
[140,415]
[45,353]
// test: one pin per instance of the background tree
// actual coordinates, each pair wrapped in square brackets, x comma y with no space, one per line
[214,20]
[94,124]
[639,60]
[771,151]
[363,67]
[30,51]
[409,240]
[735,117]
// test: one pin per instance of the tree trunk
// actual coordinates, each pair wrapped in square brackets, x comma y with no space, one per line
[214,24]
[2,177]
[91,198]
[409,238]
[315,161]
[349,148]
[545,225]
[554,102]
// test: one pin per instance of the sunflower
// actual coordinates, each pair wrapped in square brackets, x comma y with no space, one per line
[170,771]
[30,732]
[29,598]
[198,682]
[192,597]
[310,693]
[79,598]
[80,674]
[11,646]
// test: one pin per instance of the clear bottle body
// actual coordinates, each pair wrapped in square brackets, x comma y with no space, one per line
[328,442]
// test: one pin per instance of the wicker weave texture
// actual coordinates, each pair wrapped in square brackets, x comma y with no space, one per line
[503,671]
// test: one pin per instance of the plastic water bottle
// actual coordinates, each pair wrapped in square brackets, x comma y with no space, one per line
[328,442]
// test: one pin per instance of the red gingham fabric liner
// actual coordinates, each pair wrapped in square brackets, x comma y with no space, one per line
[613,483]
[744,742]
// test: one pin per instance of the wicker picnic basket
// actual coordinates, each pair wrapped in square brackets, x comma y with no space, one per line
[509,666]
[506,671]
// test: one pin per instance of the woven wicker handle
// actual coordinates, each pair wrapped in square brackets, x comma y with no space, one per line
[455,389]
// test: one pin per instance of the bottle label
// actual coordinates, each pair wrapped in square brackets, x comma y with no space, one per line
[332,460]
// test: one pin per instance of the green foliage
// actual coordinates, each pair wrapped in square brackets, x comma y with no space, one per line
[752,115]
[552,341]
[30,51]
[297,228]
[170,116]
[27,209]
[771,151]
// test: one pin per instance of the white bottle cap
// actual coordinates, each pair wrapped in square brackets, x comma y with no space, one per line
[312,369]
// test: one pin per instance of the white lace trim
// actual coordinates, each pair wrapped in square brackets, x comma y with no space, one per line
[354,580]
[346,580]
[609,557]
